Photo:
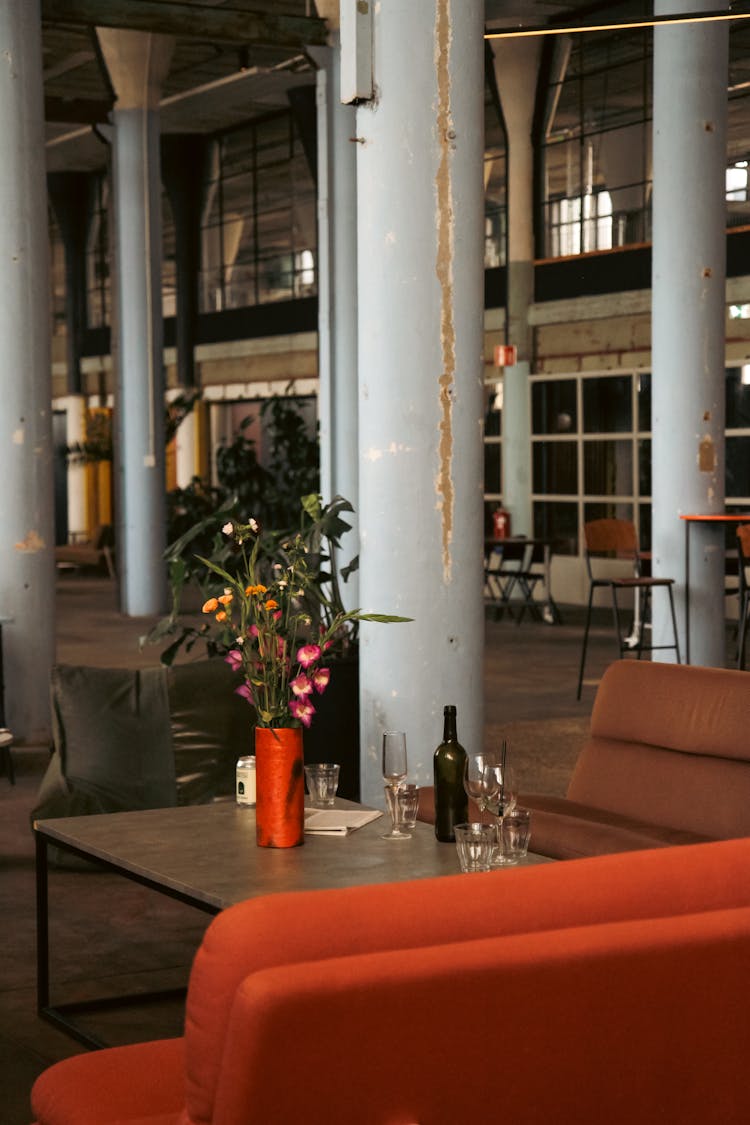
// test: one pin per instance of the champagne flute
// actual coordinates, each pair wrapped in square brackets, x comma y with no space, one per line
[394,772]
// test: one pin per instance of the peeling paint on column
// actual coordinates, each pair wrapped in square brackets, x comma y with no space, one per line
[706,455]
[31,543]
[445,221]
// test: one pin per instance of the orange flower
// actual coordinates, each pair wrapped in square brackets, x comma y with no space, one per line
[271,604]
[210,606]
[221,616]
[225,599]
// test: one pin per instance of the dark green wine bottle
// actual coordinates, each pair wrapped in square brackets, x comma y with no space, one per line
[451,802]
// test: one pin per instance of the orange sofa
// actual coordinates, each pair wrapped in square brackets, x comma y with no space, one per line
[667,761]
[610,989]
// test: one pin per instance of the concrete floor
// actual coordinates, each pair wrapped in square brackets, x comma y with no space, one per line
[109,936]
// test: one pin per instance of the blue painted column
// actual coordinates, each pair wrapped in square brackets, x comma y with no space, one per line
[516,69]
[27,565]
[688,321]
[420,218]
[337,297]
[137,64]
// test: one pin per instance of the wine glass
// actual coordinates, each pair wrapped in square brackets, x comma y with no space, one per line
[394,772]
[503,800]
[481,781]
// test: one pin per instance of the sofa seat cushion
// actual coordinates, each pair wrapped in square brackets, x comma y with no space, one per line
[141,1084]
[566,829]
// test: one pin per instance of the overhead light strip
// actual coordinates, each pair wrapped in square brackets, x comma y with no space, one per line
[618,25]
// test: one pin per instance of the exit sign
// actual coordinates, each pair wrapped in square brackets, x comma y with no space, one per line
[505,355]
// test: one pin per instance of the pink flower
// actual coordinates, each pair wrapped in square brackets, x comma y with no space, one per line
[234,659]
[302,710]
[301,686]
[320,679]
[308,655]
[245,692]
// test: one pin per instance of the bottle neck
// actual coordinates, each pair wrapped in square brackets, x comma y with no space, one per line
[449,727]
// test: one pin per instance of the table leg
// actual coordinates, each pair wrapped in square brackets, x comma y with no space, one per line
[42,925]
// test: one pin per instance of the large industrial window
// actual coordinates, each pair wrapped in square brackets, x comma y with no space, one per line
[591,451]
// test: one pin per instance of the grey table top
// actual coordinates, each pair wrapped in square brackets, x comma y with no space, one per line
[208,854]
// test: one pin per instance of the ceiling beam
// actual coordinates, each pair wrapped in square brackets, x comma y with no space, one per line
[194,21]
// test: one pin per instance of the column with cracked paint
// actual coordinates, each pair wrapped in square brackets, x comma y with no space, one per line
[27,568]
[516,65]
[337,298]
[137,64]
[420,223]
[688,324]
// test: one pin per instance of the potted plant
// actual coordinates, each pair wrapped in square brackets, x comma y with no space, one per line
[273,608]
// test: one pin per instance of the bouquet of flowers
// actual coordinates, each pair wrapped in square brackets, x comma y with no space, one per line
[273,642]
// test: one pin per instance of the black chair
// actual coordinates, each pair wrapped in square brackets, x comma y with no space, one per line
[616,539]
[510,577]
[743,552]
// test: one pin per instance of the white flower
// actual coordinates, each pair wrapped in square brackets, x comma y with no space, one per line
[239,640]
[227,589]
[253,525]
[228,528]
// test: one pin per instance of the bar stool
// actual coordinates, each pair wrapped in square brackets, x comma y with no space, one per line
[615,538]
[743,549]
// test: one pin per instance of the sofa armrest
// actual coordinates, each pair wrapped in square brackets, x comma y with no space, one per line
[143,1081]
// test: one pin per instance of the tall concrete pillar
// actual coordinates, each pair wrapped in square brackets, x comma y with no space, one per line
[688,317]
[516,69]
[420,203]
[27,537]
[137,64]
[337,297]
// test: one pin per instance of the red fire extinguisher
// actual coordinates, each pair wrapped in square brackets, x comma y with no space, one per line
[501,523]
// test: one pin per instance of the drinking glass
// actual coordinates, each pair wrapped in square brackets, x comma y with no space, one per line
[502,802]
[394,772]
[481,780]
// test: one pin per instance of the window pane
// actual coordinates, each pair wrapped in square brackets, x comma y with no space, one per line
[608,468]
[492,467]
[557,521]
[644,400]
[738,466]
[737,400]
[644,515]
[644,467]
[554,407]
[606,405]
[492,412]
[607,510]
[555,467]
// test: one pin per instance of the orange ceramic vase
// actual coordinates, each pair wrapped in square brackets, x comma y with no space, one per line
[280,787]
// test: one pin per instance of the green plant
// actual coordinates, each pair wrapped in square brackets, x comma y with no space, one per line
[270,637]
[204,550]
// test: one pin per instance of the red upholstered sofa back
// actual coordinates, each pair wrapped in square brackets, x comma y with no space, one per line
[272,933]
[604,1023]
[670,744]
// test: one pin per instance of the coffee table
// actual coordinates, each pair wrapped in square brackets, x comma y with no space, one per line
[206,856]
